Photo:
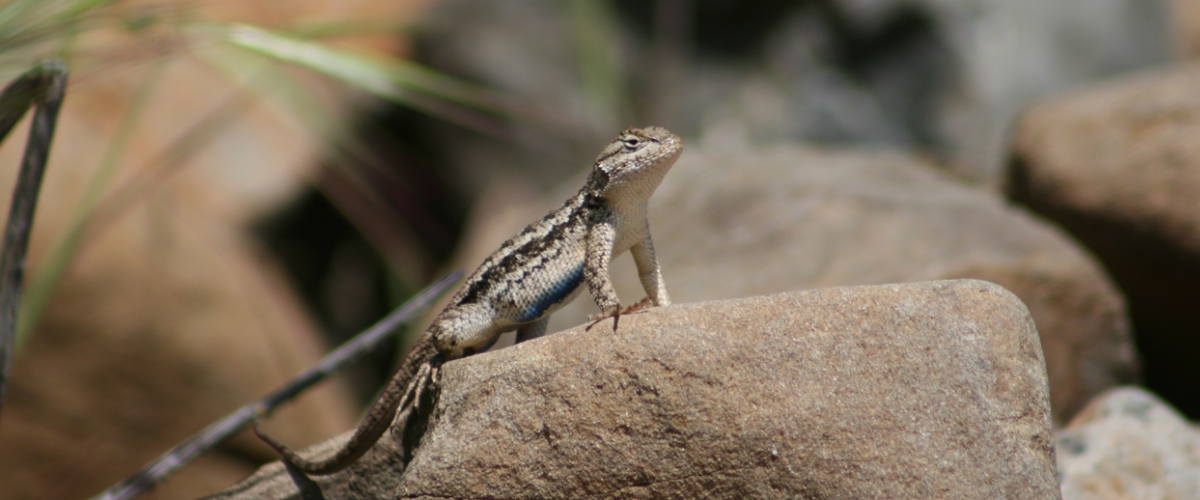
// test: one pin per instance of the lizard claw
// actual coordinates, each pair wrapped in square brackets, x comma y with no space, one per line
[615,314]
[617,311]
[435,377]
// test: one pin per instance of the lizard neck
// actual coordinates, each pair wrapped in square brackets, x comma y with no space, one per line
[629,196]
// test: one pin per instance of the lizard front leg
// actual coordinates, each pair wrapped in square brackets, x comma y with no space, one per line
[650,274]
[602,234]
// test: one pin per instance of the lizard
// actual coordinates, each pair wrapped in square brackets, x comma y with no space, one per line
[532,275]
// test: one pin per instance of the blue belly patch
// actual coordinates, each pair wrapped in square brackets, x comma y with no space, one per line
[553,295]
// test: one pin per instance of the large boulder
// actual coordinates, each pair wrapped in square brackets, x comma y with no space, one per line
[734,221]
[898,391]
[1118,166]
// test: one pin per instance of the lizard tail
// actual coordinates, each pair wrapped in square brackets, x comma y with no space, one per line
[397,392]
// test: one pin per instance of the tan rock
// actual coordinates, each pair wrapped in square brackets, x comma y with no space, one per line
[1118,166]
[1122,149]
[733,222]
[1185,25]
[1129,445]
[929,390]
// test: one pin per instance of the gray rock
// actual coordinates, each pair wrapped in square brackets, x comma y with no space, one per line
[1129,445]
[1014,52]
[1118,166]
[898,391]
[731,221]
[920,74]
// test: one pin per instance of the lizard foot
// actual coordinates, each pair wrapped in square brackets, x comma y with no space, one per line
[421,383]
[435,376]
[427,377]
[615,314]
[640,306]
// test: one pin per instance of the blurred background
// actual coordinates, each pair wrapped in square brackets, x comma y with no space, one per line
[234,187]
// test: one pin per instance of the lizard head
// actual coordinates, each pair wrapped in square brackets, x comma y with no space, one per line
[636,161]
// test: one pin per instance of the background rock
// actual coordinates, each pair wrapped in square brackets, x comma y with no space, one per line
[1129,445]
[1185,22]
[1118,166]
[926,75]
[897,391]
[735,220]
[144,345]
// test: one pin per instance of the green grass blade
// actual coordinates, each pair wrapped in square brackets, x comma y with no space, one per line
[393,79]
[77,8]
[270,80]
[29,22]
[16,12]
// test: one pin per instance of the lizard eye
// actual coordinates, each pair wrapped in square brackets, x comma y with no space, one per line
[631,142]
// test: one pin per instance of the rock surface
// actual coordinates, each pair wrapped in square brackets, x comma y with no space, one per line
[1118,166]
[1129,445]
[898,391]
[732,221]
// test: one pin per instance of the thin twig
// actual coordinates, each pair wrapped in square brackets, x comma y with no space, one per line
[42,86]
[185,452]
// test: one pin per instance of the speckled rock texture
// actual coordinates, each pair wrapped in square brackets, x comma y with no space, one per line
[928,390]
[1129,445]
[1118,166]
